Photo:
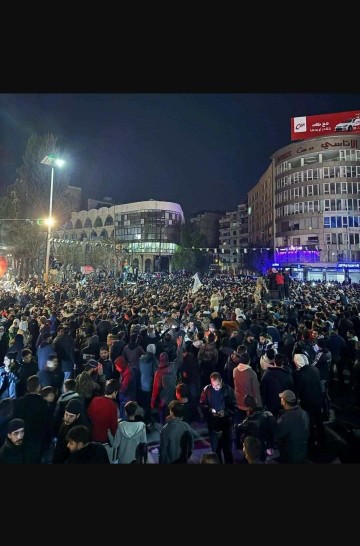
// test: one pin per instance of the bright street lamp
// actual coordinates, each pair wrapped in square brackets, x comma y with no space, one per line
[51,161]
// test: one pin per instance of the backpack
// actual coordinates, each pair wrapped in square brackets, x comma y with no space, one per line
[168,385]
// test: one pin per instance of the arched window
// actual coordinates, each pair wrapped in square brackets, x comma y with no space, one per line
[74,236]
[78,224]
[104,234]
[83,236]
[93,235]
[109,221]
[98,222]
[88,223]
[147,265]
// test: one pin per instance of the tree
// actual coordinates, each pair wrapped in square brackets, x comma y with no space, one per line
[191,254]
[29,197]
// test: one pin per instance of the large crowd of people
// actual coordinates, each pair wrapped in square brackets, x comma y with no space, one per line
[89,367]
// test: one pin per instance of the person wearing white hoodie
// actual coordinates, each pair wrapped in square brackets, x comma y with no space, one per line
[129,435]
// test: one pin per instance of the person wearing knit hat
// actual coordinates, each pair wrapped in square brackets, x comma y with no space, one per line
[74,415]
[74,407]
[11,451]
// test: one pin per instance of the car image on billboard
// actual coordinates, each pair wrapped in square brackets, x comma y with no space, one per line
[348,125]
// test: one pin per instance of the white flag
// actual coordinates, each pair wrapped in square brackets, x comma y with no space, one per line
[197,283]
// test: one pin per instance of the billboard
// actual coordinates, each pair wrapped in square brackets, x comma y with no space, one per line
[326,124]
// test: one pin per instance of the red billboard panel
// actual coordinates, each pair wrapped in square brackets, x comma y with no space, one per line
[325,124]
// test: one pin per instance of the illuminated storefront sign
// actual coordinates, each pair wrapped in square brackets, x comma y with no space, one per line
[313,126]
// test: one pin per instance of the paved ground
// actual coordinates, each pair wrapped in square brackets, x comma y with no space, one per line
[342,434]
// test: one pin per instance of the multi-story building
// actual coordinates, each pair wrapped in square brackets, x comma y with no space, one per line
[148,231]
[207,223]
[234,240]
[317,207]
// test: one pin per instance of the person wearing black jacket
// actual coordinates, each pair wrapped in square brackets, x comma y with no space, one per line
[12,450]
[259,423]
[28,367]
[274,380]
[323,364]
[292,430]
[82,451]
[74,415]
[307,388]
[33,409]
[218,403]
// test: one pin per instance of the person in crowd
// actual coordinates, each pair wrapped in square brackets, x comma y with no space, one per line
[245,382]
[4,342]
[127,390]
[209,458]
[6,414]
[64,347]
[176,437]
[189,411]
[74,416]
[9,376]
[117,346]
[218,402]
[323,364]
[103,413]
[33,409]
[130,437]
[28,367]
[68,393]
[276,378]
[51,374]
[82,450]
[148,364]
[337,346]
[292,431]
[207,358]
[17,345]
[12,451]
[307,388]
[259,423]
[165,379]
[190,373]
[43,351]
[44,330]
[252,450]
[107,364]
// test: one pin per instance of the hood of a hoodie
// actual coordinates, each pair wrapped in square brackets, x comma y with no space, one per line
[129,429]
[243,367]
[120,363]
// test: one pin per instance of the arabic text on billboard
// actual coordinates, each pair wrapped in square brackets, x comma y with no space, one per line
[326,124]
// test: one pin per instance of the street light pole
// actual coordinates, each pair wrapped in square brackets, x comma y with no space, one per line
[50,160]
[47,259]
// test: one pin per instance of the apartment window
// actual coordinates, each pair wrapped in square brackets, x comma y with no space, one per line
[296,192]
[309,174]
[333,222]
[310,206]
[333,239]
[296,208]
[278,184]
[326,204]
[327,237]
[309,190]
[316,189]
[345,221]
[326,187]
[316,205]
[326,221]
[357,171]
[286,195]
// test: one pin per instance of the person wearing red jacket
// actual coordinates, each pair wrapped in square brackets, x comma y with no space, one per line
[279,279]
[127,389]
[103,413]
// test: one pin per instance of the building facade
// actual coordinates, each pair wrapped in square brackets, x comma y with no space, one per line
[317,207]
[207,223]
[143,234]
[234,240]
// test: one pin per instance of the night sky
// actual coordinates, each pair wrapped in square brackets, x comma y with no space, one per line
[203,151]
